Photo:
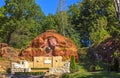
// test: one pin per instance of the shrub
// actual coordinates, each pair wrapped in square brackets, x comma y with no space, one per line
[92,68]
[73,66]
[116,61]
[65,75]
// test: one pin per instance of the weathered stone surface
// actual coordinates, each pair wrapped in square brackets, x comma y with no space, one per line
[7,51]
[50,43]
[3,45]
[64,69]
[2,69]
[105,50]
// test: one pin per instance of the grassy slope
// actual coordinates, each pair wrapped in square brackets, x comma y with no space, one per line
[97,75]
[83,73]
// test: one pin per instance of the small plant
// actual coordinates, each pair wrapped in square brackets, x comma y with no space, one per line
[65,75]
[92,68]
[73,66]
[116,62]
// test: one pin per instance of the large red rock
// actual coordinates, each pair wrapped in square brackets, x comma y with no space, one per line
[3,45]
[50,43]
[105,50]
[7,51]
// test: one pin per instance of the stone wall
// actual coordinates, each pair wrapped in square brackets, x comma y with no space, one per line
[58,70]
[54,65]
[64,69]
[13,70]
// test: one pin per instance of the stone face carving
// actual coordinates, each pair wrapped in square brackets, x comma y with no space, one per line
[51,43]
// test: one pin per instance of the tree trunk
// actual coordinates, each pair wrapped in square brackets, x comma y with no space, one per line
[9,37]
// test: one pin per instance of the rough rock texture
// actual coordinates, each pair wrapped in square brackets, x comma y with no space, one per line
[3,45]
[7,51]
[50,43]
[2,69]
[105,50]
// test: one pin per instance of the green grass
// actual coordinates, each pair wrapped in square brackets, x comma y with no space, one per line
[100,69]
[96,75]
[84,73]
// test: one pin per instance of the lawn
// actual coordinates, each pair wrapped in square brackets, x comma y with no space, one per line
[83,73]
[101,70]
[97,75]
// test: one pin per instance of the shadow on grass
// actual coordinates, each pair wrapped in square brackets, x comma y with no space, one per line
[97,75]
[90,65]
[100,69]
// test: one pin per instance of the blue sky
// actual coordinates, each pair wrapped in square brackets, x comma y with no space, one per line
[48,6]
[1,3]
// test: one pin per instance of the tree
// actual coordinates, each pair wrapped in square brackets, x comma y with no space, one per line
[61,16]
[73,66]
[94,20]
[22,21]
[49,23]
[2,20]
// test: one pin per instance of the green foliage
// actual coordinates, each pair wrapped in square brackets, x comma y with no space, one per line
[49,23]
[96,75]
[66,75]
[21,22]
[116,61]
[94,20]
[62,22]
[61,25]
[1,12]
[62,17]
[92,68]
[73,66]
[87,21]
[98,32]
[83,73]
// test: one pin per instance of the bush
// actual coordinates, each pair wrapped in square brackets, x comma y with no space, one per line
[116,62]
[92,68]
[66,75]
[73,66]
